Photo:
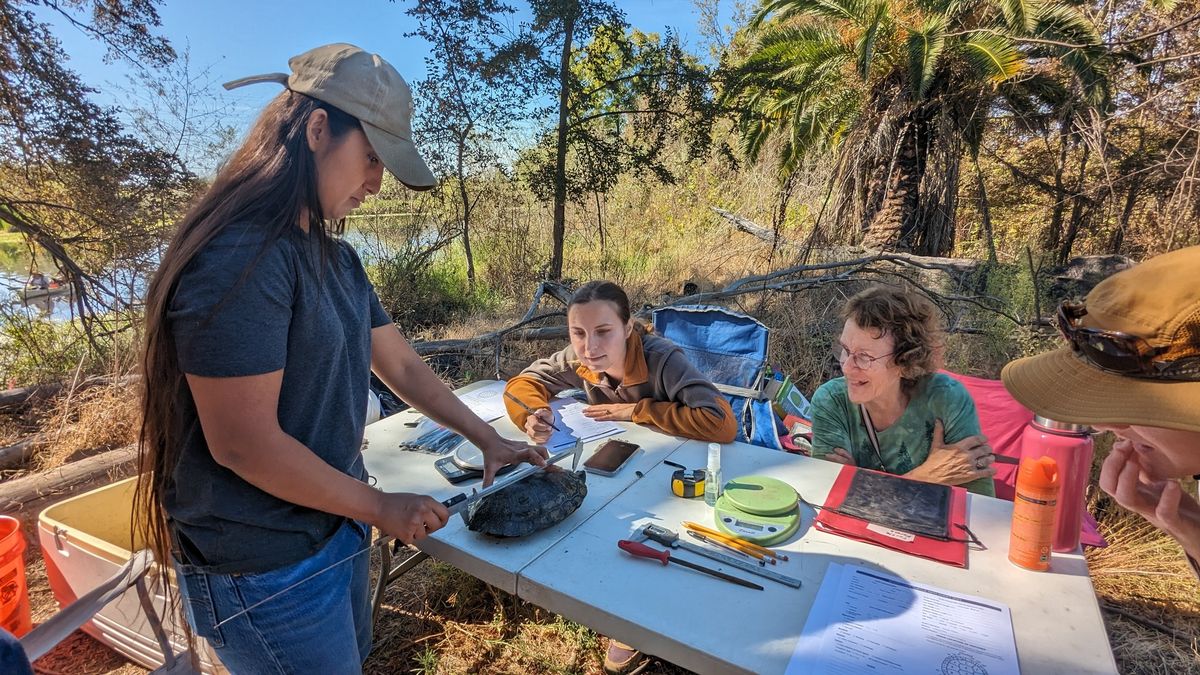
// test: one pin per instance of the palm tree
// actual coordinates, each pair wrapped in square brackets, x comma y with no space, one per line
[899,90]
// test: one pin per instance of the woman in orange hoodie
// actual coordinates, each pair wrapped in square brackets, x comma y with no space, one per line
[627,373]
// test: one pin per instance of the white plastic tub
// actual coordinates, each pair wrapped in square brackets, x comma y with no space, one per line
[84,541]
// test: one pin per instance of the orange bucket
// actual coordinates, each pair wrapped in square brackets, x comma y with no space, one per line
[14,596]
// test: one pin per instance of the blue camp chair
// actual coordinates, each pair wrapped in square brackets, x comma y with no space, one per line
[731,350]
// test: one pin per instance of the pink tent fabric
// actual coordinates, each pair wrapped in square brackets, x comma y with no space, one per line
[1003,421]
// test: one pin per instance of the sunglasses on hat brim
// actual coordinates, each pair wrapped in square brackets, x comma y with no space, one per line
[1119,352]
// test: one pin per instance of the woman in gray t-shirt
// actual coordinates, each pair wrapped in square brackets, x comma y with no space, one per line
[262,331]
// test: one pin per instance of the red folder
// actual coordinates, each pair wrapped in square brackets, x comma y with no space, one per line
[951,552]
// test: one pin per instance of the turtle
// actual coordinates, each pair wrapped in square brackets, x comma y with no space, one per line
[537,502]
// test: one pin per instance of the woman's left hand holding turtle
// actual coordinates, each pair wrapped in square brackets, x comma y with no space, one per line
[500,452]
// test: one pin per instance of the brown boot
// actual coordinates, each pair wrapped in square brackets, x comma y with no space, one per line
[621,659]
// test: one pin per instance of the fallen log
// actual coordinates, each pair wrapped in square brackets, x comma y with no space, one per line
[18,453]
[948,265]
[25,494]
[23,396]
[459,346]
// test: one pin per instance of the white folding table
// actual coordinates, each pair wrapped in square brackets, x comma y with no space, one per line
[575,568]
[494,561]
[711,626]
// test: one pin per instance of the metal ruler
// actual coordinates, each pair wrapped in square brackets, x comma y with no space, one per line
[671,539]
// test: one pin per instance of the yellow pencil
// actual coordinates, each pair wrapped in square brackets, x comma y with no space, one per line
[737,540]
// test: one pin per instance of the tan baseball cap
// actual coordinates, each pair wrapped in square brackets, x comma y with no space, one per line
[1158,301]
[368,88]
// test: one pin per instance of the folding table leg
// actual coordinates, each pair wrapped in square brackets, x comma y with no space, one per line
[388,574]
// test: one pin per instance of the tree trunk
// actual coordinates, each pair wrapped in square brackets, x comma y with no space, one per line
[1080,209]
[1118,238]
[465,197]
[1053,234]
[901,199]
[560,157]
[985,213]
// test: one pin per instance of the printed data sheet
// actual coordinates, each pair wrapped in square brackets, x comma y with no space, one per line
[864,621]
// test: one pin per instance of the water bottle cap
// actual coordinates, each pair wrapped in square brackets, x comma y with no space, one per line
[1065,427]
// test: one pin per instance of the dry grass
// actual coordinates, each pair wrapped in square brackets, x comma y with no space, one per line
[86,421]
[437,619]
[1148,595]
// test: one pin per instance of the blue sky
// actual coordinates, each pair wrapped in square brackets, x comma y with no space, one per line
[236,38]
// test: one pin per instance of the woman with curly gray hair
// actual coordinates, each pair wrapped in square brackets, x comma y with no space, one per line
[892,411]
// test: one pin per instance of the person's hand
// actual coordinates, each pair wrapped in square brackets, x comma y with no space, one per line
[841,456]
[1162,502]
[955,463]
[537,425]
[611,412]
[408,517]
[500,452]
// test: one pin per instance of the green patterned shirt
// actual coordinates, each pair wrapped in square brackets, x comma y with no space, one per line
[905,444]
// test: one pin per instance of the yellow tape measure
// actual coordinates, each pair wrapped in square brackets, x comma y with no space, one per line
[687,483]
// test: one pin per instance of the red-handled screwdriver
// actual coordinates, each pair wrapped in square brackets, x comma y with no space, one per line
[644,551]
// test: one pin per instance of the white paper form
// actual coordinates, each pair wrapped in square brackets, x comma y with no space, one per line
[878,623]
[572,424]
[486,402]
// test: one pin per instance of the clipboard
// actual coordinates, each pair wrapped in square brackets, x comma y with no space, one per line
[950,549]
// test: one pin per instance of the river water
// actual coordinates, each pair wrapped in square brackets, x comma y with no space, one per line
[15,265]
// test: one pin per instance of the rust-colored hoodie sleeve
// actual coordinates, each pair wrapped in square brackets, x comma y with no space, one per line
[694,409]
[704,424]
[530,392]
[539,382]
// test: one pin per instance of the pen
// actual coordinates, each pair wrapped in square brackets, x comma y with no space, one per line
[529,410]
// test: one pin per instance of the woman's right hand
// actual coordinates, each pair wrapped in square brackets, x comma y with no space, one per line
[955,463]
[409,517]
[537,425]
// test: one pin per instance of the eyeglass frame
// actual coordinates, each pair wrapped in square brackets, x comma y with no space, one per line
[856,356]
[1066,320]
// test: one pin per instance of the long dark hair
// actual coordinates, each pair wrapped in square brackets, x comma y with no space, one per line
[270,182]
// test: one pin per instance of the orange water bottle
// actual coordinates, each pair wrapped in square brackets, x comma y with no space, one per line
[1033,513]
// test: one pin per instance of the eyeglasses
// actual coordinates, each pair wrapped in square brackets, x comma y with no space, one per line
[860,361]
[1119,352]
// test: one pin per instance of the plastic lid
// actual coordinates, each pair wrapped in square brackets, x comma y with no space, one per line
[1038,472]
[760,495]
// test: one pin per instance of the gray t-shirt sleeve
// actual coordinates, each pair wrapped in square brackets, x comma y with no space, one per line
[231,313]
[379,316]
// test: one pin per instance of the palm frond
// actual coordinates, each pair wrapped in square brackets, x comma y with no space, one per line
[1063,23]
[994,56]
[924,48]
[879,21]
[782,10]
[1019,15]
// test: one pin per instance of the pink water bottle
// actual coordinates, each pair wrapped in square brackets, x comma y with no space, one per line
[1071,447]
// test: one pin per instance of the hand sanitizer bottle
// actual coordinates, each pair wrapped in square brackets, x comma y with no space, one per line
[712,481]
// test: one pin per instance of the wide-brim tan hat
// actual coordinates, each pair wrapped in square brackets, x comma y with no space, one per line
[1159,301]
[1063,387]
[369,89]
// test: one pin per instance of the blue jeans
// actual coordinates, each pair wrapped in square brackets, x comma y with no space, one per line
[321,626]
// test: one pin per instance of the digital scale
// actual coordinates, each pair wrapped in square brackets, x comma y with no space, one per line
[465,463]
[760,509]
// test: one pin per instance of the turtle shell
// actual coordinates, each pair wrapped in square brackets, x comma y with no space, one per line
[537,502]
